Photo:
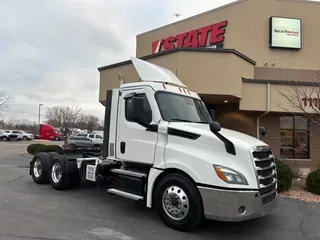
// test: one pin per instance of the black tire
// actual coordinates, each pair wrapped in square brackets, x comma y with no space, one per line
[5,139]
[53,154]
[72,146]
[67,180]
[194,215]
[25,138]
[62,182]
[40,175]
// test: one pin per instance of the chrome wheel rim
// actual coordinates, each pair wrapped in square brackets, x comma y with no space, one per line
[175,203]
[37,168]
[56,173]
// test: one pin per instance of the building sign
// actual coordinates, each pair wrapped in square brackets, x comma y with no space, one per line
[311,102]
[212,35]
[285,33]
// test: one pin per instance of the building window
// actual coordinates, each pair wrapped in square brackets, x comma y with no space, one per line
[294,137]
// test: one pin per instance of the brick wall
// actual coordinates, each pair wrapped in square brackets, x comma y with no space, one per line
[271,122]
[315,145]
[231,117]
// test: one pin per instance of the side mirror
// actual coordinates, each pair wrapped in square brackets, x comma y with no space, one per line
[262,131]
[215,127]
[137,108]
[213,114]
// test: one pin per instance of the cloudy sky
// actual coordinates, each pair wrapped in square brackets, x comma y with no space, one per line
[50,50]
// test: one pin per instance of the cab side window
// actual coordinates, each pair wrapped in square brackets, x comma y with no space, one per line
[147,116]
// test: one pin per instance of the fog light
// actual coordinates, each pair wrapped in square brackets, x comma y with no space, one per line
[242,209]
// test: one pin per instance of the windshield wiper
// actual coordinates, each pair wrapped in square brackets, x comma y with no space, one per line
[183,120]
[179,120]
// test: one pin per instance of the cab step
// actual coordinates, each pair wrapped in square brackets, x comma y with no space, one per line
[129,173]
[125,194]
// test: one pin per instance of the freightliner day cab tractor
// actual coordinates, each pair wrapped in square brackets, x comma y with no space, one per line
[162,147]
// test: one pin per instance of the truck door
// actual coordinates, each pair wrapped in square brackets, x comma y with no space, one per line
[134,142]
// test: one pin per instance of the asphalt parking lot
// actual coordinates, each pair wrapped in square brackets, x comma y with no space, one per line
[30,211]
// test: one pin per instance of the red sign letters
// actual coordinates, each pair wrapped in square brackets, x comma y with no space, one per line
[194,38]
[311,102]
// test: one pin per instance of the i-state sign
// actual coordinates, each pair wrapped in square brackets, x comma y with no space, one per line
[209,35]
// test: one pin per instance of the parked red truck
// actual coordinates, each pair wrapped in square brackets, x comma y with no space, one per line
[48,132]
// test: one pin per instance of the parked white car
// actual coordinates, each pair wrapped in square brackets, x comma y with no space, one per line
[92,135]
[21,134]
[7,136]
[96,137]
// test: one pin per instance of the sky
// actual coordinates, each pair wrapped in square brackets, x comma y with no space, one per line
[50,50]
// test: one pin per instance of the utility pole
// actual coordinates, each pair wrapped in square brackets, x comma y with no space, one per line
[40,105]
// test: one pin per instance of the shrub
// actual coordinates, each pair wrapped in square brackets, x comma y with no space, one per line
[32,147]
[284,176]
[49,148]
[313,182]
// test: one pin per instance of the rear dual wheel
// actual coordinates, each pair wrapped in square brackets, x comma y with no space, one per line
[39,168]
[52,168]
[59,178]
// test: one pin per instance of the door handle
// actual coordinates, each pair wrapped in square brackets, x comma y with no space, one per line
[122,147]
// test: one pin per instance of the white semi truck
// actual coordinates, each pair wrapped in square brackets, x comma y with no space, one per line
[162,147]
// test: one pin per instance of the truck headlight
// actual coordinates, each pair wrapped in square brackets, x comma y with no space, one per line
[230,176]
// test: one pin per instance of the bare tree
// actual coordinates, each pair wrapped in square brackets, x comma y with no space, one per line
[93,122]
[11,123]
[305,99]
[2,124]
[4,101]
[82,121]
[63,117]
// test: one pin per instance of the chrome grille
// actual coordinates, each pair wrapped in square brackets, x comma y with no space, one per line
[264,162]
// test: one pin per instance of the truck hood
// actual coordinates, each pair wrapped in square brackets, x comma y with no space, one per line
[206,136]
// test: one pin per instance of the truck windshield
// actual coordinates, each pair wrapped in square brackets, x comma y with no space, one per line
[174,107]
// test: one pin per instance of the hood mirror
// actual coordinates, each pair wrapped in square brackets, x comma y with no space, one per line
[262,131]
[215,127]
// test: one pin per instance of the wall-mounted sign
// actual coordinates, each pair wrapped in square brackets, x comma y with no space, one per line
[311,102]
[212,35]
[285,33]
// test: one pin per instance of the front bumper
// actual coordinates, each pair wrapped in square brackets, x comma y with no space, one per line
[223,205]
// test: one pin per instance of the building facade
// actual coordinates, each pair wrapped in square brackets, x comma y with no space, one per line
[246,60]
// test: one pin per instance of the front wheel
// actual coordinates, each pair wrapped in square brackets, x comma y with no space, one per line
[178,202]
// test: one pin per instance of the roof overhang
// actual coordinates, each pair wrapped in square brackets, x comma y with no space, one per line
[209,50]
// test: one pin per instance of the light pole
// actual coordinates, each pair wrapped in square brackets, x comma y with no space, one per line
[40,105]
